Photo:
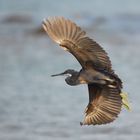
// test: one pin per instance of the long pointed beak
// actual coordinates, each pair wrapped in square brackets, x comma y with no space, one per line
[58,74]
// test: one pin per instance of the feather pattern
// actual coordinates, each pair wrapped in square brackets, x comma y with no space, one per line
[68,34]
[104,105]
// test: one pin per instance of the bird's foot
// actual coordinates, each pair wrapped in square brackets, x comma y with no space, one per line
[125,101]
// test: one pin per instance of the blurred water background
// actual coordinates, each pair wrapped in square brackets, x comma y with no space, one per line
[34,106]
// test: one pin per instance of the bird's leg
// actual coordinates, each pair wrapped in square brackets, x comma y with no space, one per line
[104,81]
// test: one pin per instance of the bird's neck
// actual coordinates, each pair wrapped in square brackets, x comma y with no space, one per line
[72,80]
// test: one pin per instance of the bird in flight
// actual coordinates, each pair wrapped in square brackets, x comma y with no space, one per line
[104,86]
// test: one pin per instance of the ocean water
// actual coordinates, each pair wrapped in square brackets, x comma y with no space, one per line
[35,106]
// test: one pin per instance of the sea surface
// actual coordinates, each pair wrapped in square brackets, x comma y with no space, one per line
[35,106]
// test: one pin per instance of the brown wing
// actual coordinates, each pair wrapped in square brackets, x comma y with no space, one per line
[67,34]
[104,105]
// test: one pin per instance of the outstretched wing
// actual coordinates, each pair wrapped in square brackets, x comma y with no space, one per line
[68,35]
[104,105]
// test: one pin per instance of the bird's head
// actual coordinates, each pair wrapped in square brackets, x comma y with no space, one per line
[67,73]
[71,76]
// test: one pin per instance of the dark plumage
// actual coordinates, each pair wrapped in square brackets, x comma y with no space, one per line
[104,86]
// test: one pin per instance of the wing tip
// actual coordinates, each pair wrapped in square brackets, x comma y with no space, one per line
[44,24]
[100,122]
[60,28]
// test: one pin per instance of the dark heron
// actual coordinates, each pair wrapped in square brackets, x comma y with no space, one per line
[104,86]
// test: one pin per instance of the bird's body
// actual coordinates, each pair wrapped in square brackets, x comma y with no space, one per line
[90,76]
[104,86]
